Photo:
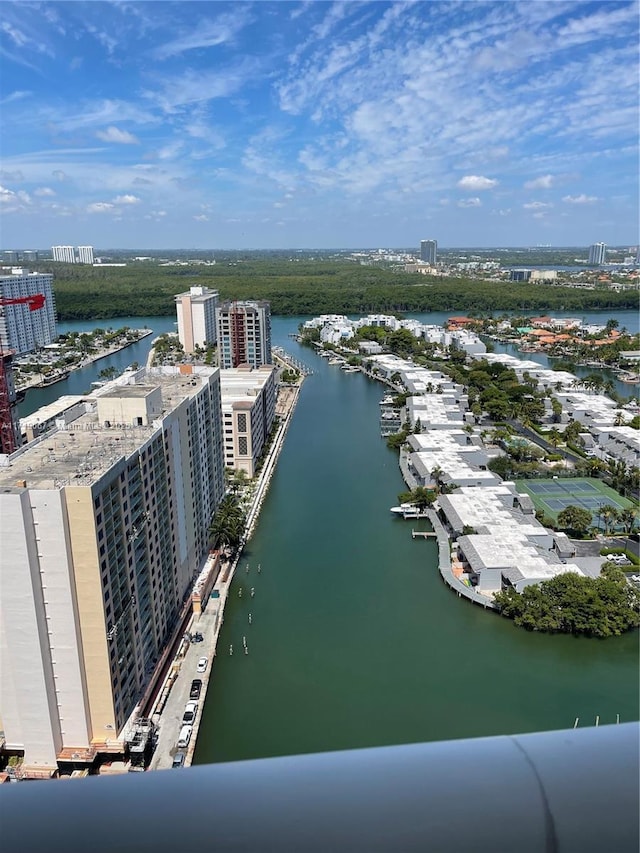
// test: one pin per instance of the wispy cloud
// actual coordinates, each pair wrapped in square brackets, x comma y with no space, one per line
[126,199]
[208,33]
[121,137]
[544,182]
[100,207]
[579,199]
[469,202]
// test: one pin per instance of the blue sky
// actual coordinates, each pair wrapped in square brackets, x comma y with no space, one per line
[312,124]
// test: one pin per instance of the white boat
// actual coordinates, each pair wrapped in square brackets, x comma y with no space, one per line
[409,511]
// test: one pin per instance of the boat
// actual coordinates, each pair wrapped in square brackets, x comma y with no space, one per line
[409,511]
[336,361]
[51,380]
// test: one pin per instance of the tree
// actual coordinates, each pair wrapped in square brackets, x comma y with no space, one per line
[628,517]
[569,603]
[228,522]
[574,518]
[609,515]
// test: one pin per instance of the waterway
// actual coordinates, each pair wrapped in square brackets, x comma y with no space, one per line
[354,640]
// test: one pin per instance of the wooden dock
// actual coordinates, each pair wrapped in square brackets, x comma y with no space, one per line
[424,534]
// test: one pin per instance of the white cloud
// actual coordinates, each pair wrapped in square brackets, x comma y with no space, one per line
[476,182]
[536,205]
[18,95]
[44,191]
[126,199]
[100,207]
[222,30]
[114,134]
[201,217]
[544,182]
[6,195]
[469,202]
[579,199]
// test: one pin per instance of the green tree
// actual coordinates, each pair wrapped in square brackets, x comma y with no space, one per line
[574,518]
[228,523]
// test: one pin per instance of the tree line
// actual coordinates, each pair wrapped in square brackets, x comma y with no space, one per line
[304,288]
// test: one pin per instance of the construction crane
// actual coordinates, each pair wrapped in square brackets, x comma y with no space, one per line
[8,440]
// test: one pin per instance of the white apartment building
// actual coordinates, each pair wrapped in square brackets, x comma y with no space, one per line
[598,253]
[104,523]
[85,254]
[196,310]
[244,334]
[21,329]
[65,254]
[248,410]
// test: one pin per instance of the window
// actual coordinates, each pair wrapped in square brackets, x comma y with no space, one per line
[243,446]
[242,423]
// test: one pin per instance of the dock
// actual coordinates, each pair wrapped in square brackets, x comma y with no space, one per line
[424,534]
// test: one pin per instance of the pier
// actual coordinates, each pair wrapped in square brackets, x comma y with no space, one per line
[424,534]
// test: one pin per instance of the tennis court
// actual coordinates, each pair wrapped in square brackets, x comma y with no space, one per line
[552,496]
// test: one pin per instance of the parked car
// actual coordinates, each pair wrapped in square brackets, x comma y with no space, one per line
[196,687]
[184,737]
[178,759]
[202,665]
[190,711]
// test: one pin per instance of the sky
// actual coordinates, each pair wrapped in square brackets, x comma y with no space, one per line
[318,125]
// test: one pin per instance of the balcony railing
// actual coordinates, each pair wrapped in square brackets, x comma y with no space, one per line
[573,791]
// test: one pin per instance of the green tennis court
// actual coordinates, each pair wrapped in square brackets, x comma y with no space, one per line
[552,496]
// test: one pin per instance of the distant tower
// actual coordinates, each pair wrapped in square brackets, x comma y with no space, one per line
[244,333]
[85,254]
[598,253]
[429,251]
[65,254]
[196,312]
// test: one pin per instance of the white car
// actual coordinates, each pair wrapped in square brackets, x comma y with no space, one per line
[190,711]
[202,665]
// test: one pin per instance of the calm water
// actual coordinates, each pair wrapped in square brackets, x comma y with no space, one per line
[355,641]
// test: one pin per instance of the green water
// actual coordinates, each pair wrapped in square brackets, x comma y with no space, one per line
[355,641]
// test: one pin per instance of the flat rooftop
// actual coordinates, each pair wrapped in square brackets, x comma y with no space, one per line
[80,454]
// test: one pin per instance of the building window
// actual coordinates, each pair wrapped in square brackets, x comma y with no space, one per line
[243,446]
[242,423]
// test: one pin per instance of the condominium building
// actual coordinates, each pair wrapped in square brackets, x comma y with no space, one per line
[598,253]
[429,251]
[248,410]
[244,333]
[65,254]
[104,524]
[85,254]
[21,329]
[196,310]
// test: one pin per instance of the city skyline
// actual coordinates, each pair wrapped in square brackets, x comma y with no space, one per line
[311,125]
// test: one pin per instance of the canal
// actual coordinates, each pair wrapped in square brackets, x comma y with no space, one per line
[354,640]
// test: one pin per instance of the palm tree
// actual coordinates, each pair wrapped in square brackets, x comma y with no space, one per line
[629,517]
[228,523]
[608,514]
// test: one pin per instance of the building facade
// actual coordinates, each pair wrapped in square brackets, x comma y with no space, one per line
[104,526]
[196,312]
[22,330]
[244,334]
[429,251]
[85,254]
[248,411]
[64,254]
[598,253]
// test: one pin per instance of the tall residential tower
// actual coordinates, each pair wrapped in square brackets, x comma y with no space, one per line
[429,251]
[104,527]
[196,312]
[22,330]
[598,253]
[244,333]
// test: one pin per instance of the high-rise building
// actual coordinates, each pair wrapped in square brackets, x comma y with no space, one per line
[22,330]
[196,312]
[104,528]
[85,254]
[248,410]
[598,253]
[244,333]
[429,251]
[10,256]
[65,254]
[30,255]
